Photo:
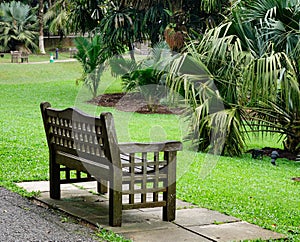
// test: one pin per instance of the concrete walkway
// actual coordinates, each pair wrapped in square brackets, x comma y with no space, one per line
[55,61]
[192,223]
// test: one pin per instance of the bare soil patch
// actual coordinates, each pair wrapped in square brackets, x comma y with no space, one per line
[282,153]
[132,102]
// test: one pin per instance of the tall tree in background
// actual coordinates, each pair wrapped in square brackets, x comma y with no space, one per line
[41,27]
[65,16]
[81,16]
[56,18]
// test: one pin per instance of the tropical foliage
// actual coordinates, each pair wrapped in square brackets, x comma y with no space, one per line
[251,65]
[81,16]
[117,27]
[126,22]
[56,18]
[273,77]
[91,55]
[18,25]
[64,17]
[208,75]
[148,76]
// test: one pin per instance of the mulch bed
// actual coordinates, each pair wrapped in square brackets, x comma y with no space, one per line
[131,102]
[282,153]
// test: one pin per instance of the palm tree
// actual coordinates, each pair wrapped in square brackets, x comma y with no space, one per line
[56,18]
[18,26]
[92,56]
[41,27]
[278,70]
[253,61]
[118,27]
[272,79]
[208,75]
[66,16]
[81,17]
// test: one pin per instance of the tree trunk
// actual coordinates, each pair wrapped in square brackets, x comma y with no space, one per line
[131,51]
[41,27]
[50,3]
[292,143]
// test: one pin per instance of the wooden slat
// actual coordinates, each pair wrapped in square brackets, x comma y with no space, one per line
[144,181]
[150,178]
[150,147]
[143,205]
[144,190]
[156,181]
[75,180]
[100,168]
[132,181]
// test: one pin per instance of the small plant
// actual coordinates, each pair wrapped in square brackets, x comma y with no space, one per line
[64,219]
[148,76]
[148,82]
[110,236]
[92,56]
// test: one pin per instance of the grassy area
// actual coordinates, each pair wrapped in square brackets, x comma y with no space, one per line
[252,190]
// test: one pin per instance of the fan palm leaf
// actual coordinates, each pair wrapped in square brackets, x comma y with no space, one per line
[271,80]
[18,26]
[209,76]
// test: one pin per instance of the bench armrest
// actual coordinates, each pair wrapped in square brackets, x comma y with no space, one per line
[135,147]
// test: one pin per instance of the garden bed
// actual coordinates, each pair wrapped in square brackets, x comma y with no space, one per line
[132,102]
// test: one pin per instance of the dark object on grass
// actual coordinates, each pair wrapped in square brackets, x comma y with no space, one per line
[274,155]
[1,55]
[257,153]
[296,179]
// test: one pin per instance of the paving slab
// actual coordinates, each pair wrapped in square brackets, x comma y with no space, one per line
[201,216]
[166,235]
[235,232]
[192,223]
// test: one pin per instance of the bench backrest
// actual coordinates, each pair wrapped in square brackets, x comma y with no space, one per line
[24,55]
[15,53]
[81,135]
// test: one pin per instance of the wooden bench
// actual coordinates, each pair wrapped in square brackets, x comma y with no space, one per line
[85,148]
[73,52]
[15,55]
[24,57]
[18,55]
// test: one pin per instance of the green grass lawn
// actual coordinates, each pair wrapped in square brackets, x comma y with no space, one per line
[252,190]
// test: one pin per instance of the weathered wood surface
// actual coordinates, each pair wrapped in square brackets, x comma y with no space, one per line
[17,56]
[83,148]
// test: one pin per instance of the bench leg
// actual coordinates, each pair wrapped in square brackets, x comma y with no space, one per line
[115,198]
[102,187]
[54,179]
[170,195]
[115,208]
[170,209]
